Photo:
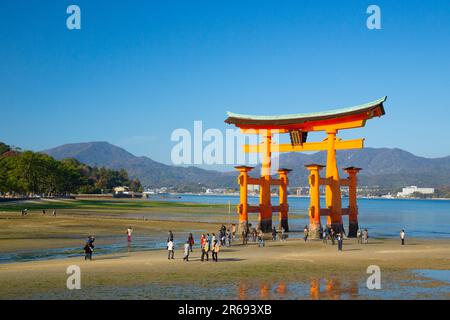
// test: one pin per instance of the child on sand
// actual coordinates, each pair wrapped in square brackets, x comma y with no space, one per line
[402,237]
[170,249]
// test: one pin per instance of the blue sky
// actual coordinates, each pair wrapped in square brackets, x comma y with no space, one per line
[137,70]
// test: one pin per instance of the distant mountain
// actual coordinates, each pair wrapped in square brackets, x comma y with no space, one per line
[150,172]
[384,167]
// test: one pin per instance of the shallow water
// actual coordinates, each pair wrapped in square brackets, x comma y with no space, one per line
[315,288]
[439,275]
[383,217]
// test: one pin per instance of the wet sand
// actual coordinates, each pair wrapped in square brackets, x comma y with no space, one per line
[292,261]
[281,270]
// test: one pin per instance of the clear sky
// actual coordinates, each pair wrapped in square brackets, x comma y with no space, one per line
[137,70]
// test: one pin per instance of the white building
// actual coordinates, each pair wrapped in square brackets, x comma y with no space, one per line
[408,191]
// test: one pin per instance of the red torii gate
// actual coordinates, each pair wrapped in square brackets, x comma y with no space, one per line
[298,126]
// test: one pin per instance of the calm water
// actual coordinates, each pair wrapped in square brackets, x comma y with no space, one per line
[383,217]
[419,285]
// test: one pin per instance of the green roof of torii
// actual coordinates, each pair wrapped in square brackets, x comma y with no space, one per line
[235,118]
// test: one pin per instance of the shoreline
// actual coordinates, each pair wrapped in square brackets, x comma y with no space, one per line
[240,268]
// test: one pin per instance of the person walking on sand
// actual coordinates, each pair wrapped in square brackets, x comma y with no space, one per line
[205,251]
[305,233]
[88,250]
[332,236]
[274,234]
[43,212]
[170,236]
[402,237]
[215,251]
[358,235]
[170,250]
[208,239]
[365,236]
[187,248]
[91,240]
[283,234]
[191,241]
[340,241]
[233,231]
[202,240]
[54,212]
[261,238]
[129,233]
[244,237]
[324,236]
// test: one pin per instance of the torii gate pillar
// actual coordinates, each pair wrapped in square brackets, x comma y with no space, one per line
[333,187]
[352,204]
[314,200]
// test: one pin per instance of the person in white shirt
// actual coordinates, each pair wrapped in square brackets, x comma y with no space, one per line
[402,236]
[170,249]
[129,232]
[187,248]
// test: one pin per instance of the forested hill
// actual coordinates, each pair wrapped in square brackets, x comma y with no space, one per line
[29,172]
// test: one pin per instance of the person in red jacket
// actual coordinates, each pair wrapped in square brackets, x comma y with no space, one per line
[202,240]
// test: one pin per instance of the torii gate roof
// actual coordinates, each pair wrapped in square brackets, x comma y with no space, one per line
[361,112]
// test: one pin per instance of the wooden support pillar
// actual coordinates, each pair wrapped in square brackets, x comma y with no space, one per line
[284,207]
[242,208]
[333,189]
[314,198]
[352,201]
[265,206]
[314,289]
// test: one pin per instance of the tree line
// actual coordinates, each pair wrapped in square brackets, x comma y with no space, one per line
[32,173]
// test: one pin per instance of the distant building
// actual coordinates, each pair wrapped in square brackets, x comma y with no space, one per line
[122,190]
[302,191]
[409,191]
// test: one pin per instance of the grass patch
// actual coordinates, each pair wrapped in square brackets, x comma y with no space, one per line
[101,204]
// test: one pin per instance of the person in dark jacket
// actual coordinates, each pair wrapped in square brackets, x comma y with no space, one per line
[88,250]
[170,237]
[340,241]
[191,241]
[274,234]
